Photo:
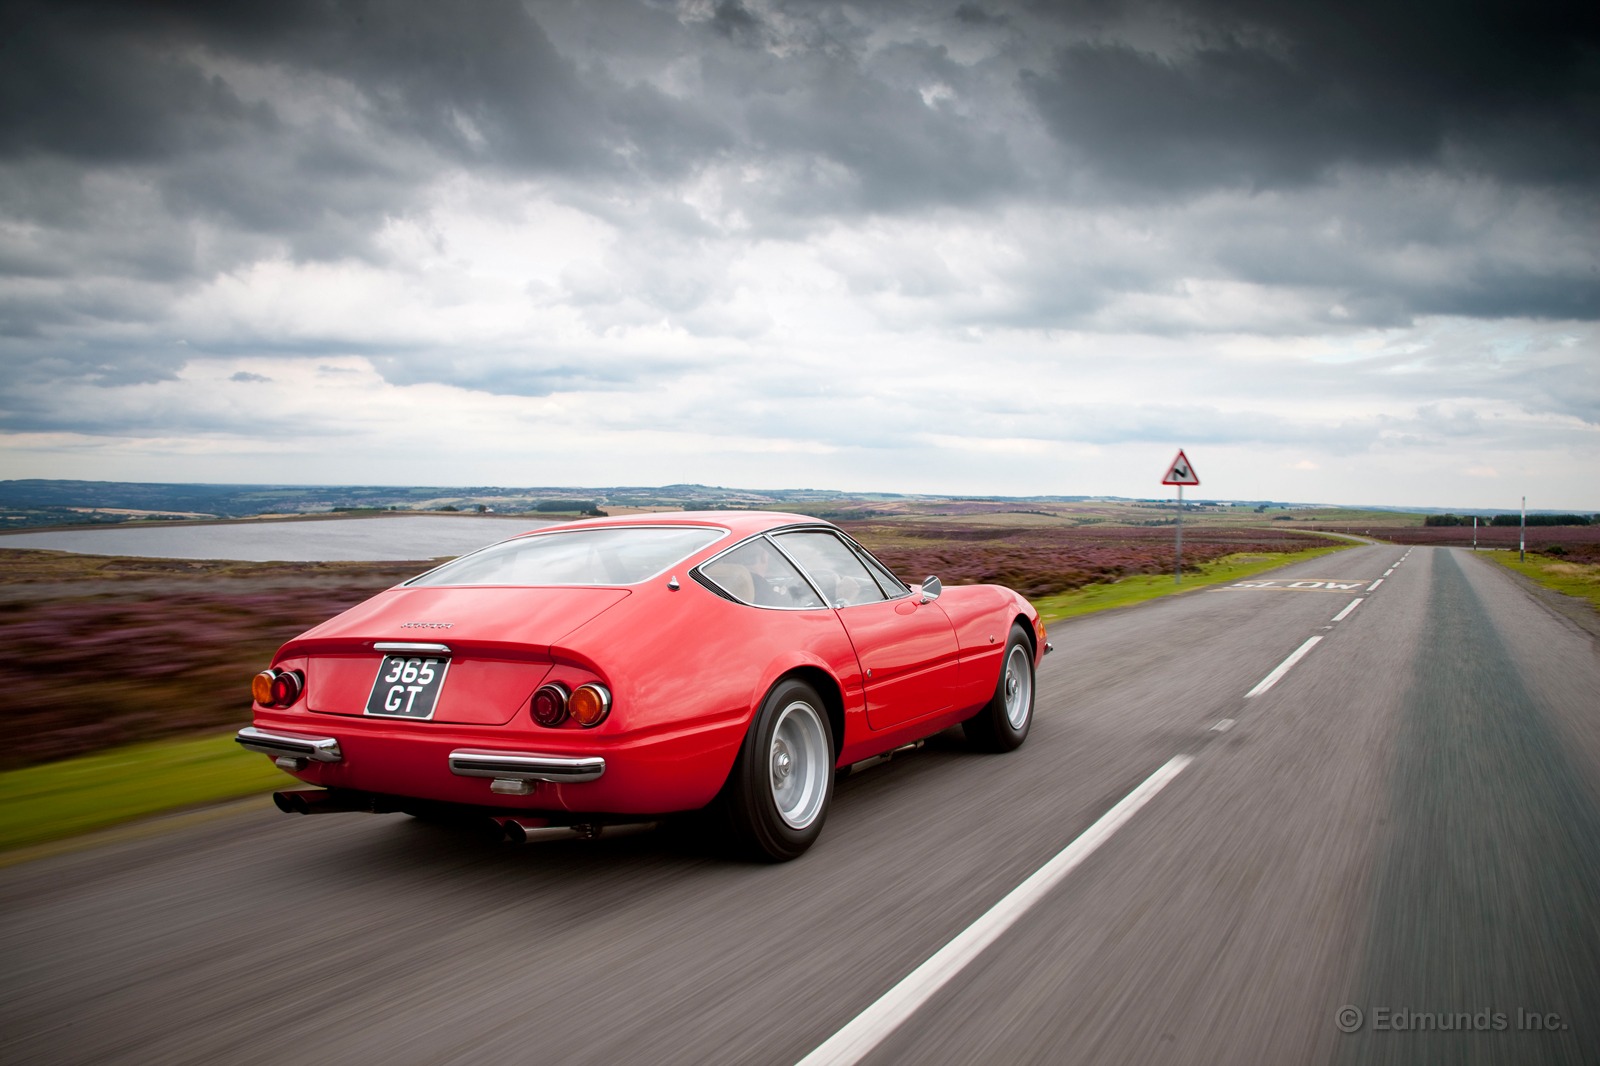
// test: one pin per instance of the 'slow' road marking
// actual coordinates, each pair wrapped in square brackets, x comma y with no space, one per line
[868,1029]
[1282,668]
[1352,605]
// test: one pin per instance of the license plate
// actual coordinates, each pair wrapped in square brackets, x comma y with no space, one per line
[407,687]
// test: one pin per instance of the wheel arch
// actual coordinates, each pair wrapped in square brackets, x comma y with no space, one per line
[1033,637]
[827,687]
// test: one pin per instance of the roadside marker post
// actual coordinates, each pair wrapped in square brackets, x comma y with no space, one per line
[1180,473]
[1522,534]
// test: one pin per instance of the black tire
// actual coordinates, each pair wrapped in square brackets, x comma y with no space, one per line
[778,794]
[1004,722]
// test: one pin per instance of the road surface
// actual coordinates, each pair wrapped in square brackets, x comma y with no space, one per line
[1399,835]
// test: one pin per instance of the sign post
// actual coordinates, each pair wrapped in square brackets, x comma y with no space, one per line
[1180,473]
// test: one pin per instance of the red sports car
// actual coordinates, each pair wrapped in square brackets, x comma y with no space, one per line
[607,671]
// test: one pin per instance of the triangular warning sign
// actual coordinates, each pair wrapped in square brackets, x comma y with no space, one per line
[1181,472]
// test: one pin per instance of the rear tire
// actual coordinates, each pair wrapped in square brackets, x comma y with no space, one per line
[1004,722]
[778,794]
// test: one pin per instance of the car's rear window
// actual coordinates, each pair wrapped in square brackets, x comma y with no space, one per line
[623,556]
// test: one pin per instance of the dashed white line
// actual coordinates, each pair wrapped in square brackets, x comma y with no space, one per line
[1389,571]
[1223,725]
[1375,584]
[852,1043]
[1283,668]
[1352,605]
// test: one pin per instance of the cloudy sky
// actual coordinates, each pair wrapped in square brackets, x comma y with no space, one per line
[1340,251]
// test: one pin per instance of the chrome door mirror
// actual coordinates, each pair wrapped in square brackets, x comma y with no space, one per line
[931,587]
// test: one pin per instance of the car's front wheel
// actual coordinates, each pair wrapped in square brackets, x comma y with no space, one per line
[781,785]
[1003,723]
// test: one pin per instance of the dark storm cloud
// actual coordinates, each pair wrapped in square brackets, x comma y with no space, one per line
[1263,95]
[375,99]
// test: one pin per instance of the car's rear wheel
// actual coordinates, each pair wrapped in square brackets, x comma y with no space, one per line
[779,791]
[1003,723]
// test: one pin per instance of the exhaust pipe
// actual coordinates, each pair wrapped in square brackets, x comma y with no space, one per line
[534,830]
[328,801]
[879,760]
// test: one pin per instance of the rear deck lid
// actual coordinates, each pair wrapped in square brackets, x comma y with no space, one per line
[443,654]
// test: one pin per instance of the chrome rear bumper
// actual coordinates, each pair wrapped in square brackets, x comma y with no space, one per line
[289,745]
[525,766]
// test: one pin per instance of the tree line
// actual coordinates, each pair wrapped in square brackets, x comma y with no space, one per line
[1511,520]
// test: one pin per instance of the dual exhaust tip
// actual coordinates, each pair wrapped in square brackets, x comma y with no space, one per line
[515,830]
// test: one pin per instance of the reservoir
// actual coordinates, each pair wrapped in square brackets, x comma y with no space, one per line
[377,539]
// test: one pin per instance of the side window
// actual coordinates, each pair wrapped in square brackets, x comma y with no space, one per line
[892,586]
[841,575]
[757,573]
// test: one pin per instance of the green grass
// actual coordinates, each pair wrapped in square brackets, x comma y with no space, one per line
[1137,589]
[62,799]
[1575,579]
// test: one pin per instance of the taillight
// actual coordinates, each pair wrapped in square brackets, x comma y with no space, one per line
[589,705]
[277,688]
[550,704]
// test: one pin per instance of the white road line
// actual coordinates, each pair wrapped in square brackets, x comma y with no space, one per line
[1375,584]
[852,1043]
[1223,725]
[1389,571]
[1283,668]
[1352,605]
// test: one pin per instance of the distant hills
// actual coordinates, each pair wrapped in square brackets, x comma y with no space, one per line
[31,503]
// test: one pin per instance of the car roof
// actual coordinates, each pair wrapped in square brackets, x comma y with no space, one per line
[739,523]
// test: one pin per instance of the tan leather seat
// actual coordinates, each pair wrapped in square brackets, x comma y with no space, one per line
[734,580]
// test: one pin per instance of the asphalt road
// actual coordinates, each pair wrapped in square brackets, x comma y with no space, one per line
[1407,822]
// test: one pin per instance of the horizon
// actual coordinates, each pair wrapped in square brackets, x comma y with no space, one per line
[830,494]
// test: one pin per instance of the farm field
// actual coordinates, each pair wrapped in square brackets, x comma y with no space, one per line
[1042,558]
[1573,543]
[104,652]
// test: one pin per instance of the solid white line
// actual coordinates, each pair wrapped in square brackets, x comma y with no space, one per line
[1282,668]
[1375,584]
[868,1029]
[1352,605]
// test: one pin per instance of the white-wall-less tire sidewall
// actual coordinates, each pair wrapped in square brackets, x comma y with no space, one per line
[1016,682]
[799,794]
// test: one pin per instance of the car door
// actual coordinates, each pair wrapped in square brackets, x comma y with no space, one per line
[907,648]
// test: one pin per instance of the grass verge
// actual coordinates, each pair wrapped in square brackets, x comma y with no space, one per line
[1581,580]
[56,800]
[1137,589]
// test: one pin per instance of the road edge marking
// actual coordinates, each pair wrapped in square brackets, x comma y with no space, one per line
[869,1028]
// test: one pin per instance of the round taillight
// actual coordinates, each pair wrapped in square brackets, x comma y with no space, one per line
[550,704]
[261,686]
[286,688]
[589,705]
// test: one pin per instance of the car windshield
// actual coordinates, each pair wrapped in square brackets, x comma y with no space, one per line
[617,556]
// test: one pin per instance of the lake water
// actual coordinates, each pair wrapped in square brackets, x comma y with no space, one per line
[338,539]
